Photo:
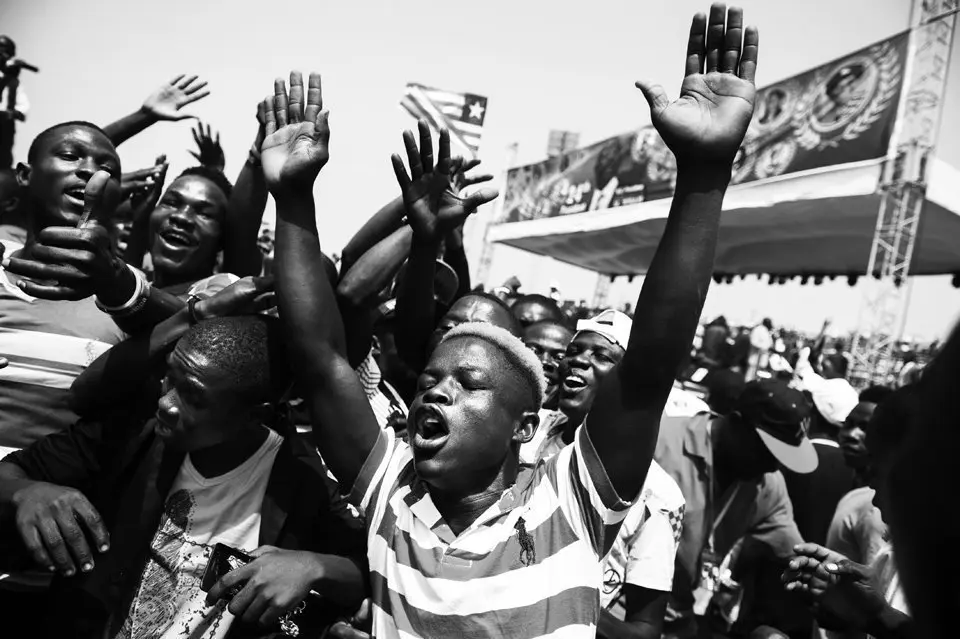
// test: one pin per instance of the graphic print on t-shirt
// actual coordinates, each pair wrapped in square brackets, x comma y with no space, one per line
[165,583]
[199,513]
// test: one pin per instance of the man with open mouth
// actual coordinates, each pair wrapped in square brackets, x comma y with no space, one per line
[187,228]
[462,539]
[638,570]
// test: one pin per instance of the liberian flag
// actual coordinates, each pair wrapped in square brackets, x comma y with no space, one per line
[461,113]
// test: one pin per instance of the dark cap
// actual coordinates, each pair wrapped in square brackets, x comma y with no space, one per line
[778,412]
[445,282]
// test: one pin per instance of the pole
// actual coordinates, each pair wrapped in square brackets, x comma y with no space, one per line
[495,217]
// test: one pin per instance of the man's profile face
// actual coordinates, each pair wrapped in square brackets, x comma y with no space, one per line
[464,419]
[549,342]
[853,435]
[65,161]
[470,308]
[187,227]
[589,359]
[199,407]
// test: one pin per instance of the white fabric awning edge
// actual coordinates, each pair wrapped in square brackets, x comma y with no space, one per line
[859,178]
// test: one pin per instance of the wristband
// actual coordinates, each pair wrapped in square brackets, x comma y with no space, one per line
[137,301]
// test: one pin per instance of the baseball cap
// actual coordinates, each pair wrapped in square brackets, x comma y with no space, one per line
[778,413]
[612,324]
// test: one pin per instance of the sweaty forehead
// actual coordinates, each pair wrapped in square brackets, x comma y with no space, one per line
[548,332]
[467,352]
[198,189]
[596,341]
[90,139]
[196,366]
[478,309]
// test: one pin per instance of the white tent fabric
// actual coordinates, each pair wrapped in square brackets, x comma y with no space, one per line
[819,222]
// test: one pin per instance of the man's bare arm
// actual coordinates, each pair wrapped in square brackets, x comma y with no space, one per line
[294,151]
[704,129]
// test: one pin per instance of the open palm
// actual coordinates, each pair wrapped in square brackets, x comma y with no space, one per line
[432,206]
[710,118]
[297,134]
[165,103]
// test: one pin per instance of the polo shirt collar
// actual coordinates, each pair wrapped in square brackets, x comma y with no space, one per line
[421,505]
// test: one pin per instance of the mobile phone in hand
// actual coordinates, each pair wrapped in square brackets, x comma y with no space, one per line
[223,559]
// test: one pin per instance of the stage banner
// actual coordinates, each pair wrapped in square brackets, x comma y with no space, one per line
[838,113]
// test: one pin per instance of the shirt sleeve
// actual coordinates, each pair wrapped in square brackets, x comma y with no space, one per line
[369,374]
[377,471]
[774,524]
[869,531]
[587,496]
[652,553]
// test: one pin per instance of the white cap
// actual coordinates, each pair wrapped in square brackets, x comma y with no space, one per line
[613,325]
[835,399]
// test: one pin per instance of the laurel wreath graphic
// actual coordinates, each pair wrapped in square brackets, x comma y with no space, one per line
[887,62]
[889,66]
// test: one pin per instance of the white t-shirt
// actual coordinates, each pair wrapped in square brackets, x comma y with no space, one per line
[200,512]
[646,547]
[547,439]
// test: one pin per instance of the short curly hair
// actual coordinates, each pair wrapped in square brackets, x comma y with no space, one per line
[249,350]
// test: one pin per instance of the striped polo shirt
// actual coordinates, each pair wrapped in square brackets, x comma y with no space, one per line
[384,399]
[527,567]
[48,344]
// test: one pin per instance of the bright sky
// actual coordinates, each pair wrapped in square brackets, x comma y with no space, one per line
[543,64]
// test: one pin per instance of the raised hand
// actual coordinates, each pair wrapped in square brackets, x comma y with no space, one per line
[165,103]
[141,181]
[295,148]
[459,179]
[74,263]
[209,152]
[706,124]
[432,206]
[140,192]
[246,296]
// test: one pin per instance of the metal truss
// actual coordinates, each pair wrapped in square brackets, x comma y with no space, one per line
[903,190]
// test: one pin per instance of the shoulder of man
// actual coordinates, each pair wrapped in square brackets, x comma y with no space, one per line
[661,490]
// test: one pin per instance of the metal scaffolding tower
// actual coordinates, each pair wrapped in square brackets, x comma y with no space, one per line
[602,292]
[903,190]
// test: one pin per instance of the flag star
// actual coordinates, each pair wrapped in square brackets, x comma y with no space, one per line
[476,110]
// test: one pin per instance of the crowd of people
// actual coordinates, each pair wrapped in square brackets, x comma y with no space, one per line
[210,430]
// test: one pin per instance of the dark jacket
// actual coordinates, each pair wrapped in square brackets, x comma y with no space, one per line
[126,474]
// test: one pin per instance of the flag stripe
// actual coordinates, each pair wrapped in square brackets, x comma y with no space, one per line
[443,109]
[436,116]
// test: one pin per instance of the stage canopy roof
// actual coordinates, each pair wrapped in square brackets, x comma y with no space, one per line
[819,222]
[805,190]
